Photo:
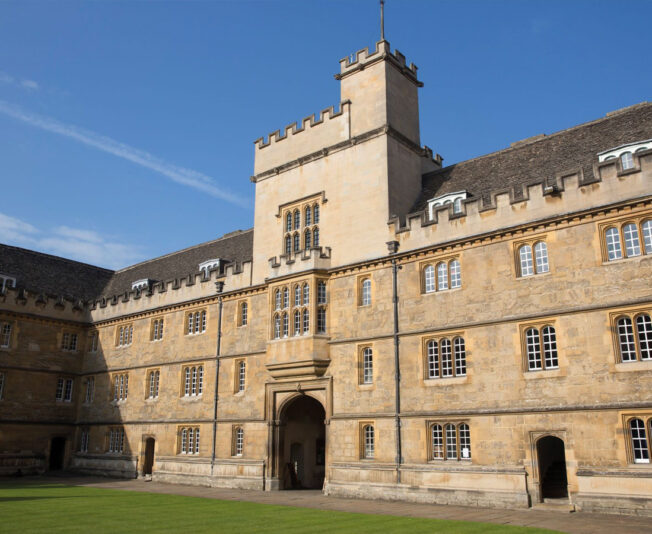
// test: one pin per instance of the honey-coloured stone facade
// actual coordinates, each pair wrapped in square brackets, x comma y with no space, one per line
[423,389]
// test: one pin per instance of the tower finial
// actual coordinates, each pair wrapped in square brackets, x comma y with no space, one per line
[382,20]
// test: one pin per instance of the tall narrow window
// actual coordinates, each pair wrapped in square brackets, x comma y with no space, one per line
[321,293]
[277,326]
[90,390]
[321,321]
[639,442]
[277,299]
[429,279]
[541,257]
[297,323]
[644,331]
[154,379]
[306,321]
[367,366]
[83,444]
[2,385]
[286,325]
[94,342]
[369,442]
[460,356]
[646,228]
[533,349]
[525,255]
[296,239]
[456,274]
[286,297]
[244,314]
[437,442]
[241,375]
[5,335]
[239,441]
[433,359]
[288,222]
[442,276]
[446,358]
[306,294]
[632,244]
[451,442]
[626,340]
[297,295]
[288,245]
[366,292]
[315,237]
[307,239]
[614,250]
[315,210]
[465,441]
[297,219]
[308,216]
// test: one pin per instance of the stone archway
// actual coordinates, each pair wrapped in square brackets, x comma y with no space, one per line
[551,457]
[301,444]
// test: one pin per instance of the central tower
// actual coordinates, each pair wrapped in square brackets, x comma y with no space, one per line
[363,160]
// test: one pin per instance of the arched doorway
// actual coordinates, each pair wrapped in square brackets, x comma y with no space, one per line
[302,444]
[57,453]
[148,464]
[552,468]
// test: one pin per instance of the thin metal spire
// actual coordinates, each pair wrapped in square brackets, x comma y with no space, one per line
[382,20]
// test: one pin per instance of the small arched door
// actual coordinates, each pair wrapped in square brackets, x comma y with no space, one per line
[553,478]
[148,464]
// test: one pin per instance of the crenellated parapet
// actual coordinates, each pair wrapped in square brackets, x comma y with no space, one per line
[60,307]
[317,131]
[315,258]
[363,59]
[564,194]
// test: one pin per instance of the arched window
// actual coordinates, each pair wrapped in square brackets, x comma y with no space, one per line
[437,442]
[154,378]
[614,249]
[186,387]
[239,441]
[451,442]
[297,242]
[306,321]
[541,257]
[442,276]
[315,237]
[297,323]
[465,441]
[366,292]
[244,314]
[308,216]
[429,279]
[646,227]
[534,340]
[184,441]
[277,326]
[456,274]
[644,330]
[460,356]
[288,245]
[632,244]
[626,340]
[367,366]
[297,295]
[297,219]
[321,320]
[307,238]
[627,160]
[306,294]
[369,442]
[277,299]
[321,293]
[315,211]
[286,297]
[288,222]
[433,359]
[525,255]
[640,446]
[446,358]
[286,325]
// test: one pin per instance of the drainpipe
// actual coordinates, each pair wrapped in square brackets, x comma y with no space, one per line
[219,285]
[392,246]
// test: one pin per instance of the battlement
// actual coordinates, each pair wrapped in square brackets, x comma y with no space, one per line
[315,258]
[330,126]
[59,307]
[362,59]
[567,192]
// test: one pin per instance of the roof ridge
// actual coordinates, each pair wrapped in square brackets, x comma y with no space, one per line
[226,236]
[61,258]
[517,145]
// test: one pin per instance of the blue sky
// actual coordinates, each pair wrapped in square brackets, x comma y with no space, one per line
[127,128]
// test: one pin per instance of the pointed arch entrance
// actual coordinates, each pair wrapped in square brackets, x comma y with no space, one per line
[301,443]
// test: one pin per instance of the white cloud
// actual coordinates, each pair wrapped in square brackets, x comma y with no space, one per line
[7,79]
[180,175]
[73,243]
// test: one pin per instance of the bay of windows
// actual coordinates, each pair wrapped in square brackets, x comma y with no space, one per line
[301,234]
[541,348]
[533,259]
[639,429]
[116,440]
[189,440]
[196,322]
[450,441]
[124,335]
[628,239]
[120,386]
[64,390]
[193,380]
[445,357]
[442,276]
[635,337]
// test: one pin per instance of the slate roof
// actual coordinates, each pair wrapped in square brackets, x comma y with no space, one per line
[541,158]
[55,276]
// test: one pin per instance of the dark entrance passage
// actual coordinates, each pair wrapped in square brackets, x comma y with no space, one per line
[302,444]
[552,468]
[57,453]
[148,464]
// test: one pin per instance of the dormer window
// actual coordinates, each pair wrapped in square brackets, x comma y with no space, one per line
[450,199]
[7,282]
[625,153]
[209,265]
[139,285]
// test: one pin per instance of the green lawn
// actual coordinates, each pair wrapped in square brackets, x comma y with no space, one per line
[32,507]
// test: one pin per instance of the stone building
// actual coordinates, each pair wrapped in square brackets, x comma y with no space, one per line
[391,327]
